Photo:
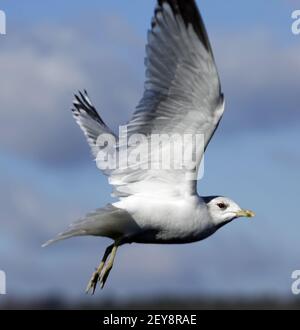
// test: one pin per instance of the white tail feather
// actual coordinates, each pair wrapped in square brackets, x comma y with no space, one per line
[109,222]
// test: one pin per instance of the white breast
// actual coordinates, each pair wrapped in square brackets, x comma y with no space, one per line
[173,219]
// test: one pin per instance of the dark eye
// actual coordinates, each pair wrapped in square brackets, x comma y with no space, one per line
[222,206]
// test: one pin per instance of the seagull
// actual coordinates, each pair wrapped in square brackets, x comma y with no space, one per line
[182,95]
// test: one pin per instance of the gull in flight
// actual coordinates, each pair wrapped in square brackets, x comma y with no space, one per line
[182,95]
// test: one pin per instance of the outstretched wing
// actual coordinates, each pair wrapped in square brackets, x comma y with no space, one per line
[182,94]
[90,122]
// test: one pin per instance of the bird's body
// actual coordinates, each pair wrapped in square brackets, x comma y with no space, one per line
[185,220]
[182,97]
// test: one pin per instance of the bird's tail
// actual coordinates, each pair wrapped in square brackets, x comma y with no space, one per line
[109,221]
[64,235]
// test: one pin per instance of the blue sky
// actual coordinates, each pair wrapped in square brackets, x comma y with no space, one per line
[48,178]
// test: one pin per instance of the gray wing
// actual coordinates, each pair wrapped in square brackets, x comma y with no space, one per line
[182,91]
[91,124]
[182,88]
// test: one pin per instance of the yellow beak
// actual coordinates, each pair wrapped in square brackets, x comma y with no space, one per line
[245,213]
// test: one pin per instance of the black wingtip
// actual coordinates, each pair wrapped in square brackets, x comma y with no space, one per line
[82,104]
[190,14]
[80,93]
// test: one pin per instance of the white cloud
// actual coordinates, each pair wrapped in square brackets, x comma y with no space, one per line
[38,78]
[260,76]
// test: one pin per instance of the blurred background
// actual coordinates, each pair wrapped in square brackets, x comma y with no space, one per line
[48,178]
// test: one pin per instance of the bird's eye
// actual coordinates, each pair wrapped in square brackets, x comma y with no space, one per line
[222,206]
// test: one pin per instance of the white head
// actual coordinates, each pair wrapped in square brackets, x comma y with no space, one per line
[223,210]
